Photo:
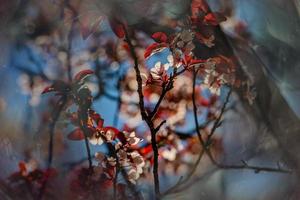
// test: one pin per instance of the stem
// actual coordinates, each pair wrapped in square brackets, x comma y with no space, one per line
[83,126]
[88,150]
[115,184]
[56,114]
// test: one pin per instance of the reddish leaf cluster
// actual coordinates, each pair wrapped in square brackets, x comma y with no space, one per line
[29,175]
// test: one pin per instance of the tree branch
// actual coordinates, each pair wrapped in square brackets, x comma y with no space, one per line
[145,116]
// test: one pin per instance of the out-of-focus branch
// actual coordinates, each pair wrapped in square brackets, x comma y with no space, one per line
[32,73]
[182,181]
[56,113]
[205,145]
[119,102]
[218,120]
[190,174]
[55,116]
[70,36]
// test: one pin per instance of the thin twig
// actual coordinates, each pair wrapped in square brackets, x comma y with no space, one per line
[218,120]
[182,181]
[70,36]
[138,75]
[119,102]
[55,116]
[57,111]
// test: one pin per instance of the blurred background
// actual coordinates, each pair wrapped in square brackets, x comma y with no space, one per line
[263,35]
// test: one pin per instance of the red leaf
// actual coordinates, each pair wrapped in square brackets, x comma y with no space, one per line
[122,137]
[204,102]
[117,27]
[211,19]
[196,61]
[57,86]
[48,89]
[213,99]
[214,18]
[77,134]
[153,47]
[110,128]
[187,59]
[149,50]
[22,167]
[146,150]
[198,6]
[97,118]
[126,47]
[82,74]
[160,37]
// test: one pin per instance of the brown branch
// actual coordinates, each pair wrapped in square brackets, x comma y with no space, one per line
[145,116]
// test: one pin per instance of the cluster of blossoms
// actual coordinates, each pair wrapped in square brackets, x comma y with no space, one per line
[90,126]
[120,144]
[215,71]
